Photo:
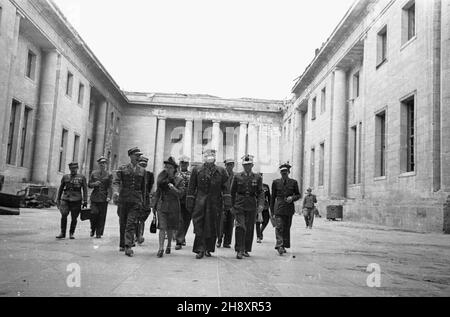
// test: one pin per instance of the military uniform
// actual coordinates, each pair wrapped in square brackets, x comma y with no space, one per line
[146,206]
[207,191]
[261,226]
[283,210]
[71,195]
[101,182]
[185,216]
[309,208]
[227,222]
[129,184]
[247,197]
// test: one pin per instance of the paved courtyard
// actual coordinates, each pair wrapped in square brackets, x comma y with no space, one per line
[331,260]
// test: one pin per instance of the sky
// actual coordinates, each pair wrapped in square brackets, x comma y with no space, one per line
[224,48]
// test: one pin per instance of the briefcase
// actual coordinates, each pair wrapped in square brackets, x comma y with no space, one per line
[86,214]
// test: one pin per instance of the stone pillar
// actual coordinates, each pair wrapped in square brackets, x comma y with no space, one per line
[100,129]
[215,144]
[242,146]
[187,149]
[445,95]
[160,141]
[297,164]
[338,170]
[253,144]
[45,116]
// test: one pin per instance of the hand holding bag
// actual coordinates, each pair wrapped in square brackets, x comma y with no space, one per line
[154,225]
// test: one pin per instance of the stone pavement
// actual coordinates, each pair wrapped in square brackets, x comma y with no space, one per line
[330,260]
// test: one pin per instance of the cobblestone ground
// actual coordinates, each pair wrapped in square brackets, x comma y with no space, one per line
[330,260]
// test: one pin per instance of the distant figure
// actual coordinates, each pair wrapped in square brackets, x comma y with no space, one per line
[309,208]
[285,193]
[170,188]
[72,196]
[101,182]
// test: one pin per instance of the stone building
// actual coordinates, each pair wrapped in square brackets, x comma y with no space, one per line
[370,121]
[59,104]
[367,127]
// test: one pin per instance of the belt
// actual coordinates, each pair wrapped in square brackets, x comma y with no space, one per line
[246,195]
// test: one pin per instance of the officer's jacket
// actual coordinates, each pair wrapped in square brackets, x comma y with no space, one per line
[309,201]
[186,176]
[71,187]
[280,192]
[104,190]
[129,182]
[247,193]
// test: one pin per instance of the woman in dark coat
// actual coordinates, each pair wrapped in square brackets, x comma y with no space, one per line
[170,188]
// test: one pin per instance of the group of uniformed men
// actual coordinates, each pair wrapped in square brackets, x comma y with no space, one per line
[215,199]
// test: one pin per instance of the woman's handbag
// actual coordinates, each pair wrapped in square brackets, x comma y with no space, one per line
[85,214]
[154,225]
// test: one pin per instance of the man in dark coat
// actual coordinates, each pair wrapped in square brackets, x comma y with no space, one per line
[72,195]
[207,190]
[146,206]
[247,197]
[129,190]
[185,215]
[285,193]
[227,221]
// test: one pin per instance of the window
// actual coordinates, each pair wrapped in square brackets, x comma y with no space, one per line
[289,130]
[314,108]
[13,133]
[31,65]
[408,135]
[359,153]
[408,22]
[1,14]
[353,142]
[380,144]
[118,125]
[69,84]
[313,165]
[91,111]
[23,142]
[81,94]
[382,46]
[356,85]
[63,150]
[323,101]
[111,121]
[322,164]
[76,148]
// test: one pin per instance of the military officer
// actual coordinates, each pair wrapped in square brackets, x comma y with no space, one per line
[309,208]
[146,207]
[101,181]
[285,193]
[129,190]
[185,216]
[72,195]
[227,223]
[208,191]
[247,197]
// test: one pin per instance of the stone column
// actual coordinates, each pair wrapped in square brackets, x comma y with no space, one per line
[160,141]
[338,170]
[445,96]
[45,116]
[242,146]
[215,144]
[253,144]
[187,148]
[100,129]
[298,149]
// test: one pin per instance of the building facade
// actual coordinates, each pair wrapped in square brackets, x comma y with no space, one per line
[367,127]
[370,116]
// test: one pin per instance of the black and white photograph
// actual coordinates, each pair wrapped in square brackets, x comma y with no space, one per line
[224,154]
